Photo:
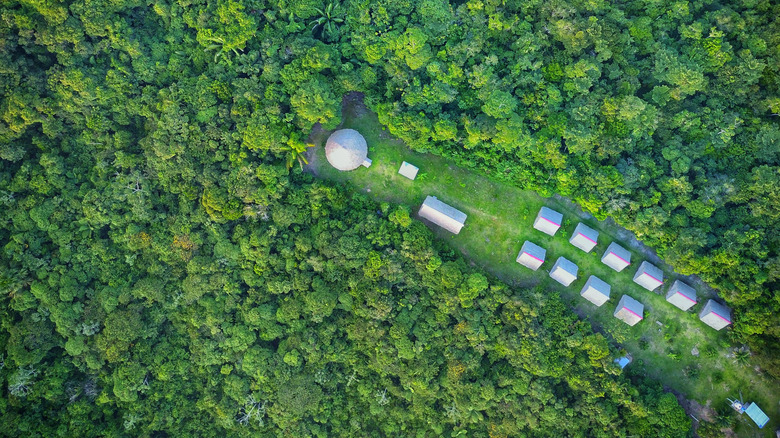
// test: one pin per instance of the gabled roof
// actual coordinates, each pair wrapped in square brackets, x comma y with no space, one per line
[531,255]
[681,295]
[649,276]
[551,216]
[443,215]
[584,237]
[564,271]
[715,315]
[616,257]
[548,221]
[629,310]
[596,290]
[717,309]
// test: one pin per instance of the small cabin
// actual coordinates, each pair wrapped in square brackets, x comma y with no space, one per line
[616,257]
[715,315]
[681,295]
[753,411]
[548,221]
[596,291]
[564,271]
[622,362]
[649,276]
[443,215]
[408,170]
[629,310]
[584,237]
[757,415]
[531,255]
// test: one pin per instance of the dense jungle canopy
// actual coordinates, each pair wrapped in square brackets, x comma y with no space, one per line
[165,273]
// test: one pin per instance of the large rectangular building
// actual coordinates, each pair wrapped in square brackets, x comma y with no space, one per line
[649,276]
[531,255]
[629,310]
[596,291]
[443,215]
[584,237]
[715,315]
[616,257]
[548,221]
[564,271]
[681,295]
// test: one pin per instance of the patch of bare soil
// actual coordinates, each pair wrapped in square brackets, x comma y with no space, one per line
[317,135]
[698,412]
[353,102]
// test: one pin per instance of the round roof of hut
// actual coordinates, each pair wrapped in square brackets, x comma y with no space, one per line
[346,149]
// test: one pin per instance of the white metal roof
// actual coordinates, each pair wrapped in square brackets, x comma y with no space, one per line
[629,310]
[616,257]
[408,170]
[596,290]
[649,276]
[346,149]
[564,271]
[443,215]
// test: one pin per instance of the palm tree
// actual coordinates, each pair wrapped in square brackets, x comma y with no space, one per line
[327,22]
[742,356]
[218,43]
[295,151]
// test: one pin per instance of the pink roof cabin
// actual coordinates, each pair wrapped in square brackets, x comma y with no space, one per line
[531,255]
[629,310]
[584,237]
[649,276]
[616,257]
[715,315]
[681,295]
[548,221]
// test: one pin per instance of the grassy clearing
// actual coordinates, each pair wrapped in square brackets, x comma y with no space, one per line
[500,219]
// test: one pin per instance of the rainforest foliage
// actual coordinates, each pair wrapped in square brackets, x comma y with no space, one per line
[166,273]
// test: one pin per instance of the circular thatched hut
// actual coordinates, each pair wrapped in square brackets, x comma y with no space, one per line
[346,149]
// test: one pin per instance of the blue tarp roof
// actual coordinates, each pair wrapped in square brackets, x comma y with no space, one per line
[622,362]
[756,414]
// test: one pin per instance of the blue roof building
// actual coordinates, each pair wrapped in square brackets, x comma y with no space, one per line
[752,410]
[622,362]
[756,414]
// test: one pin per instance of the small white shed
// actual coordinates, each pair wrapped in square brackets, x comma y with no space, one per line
[443,215]
[408,170]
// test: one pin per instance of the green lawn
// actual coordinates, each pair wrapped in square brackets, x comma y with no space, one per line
[500,219]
